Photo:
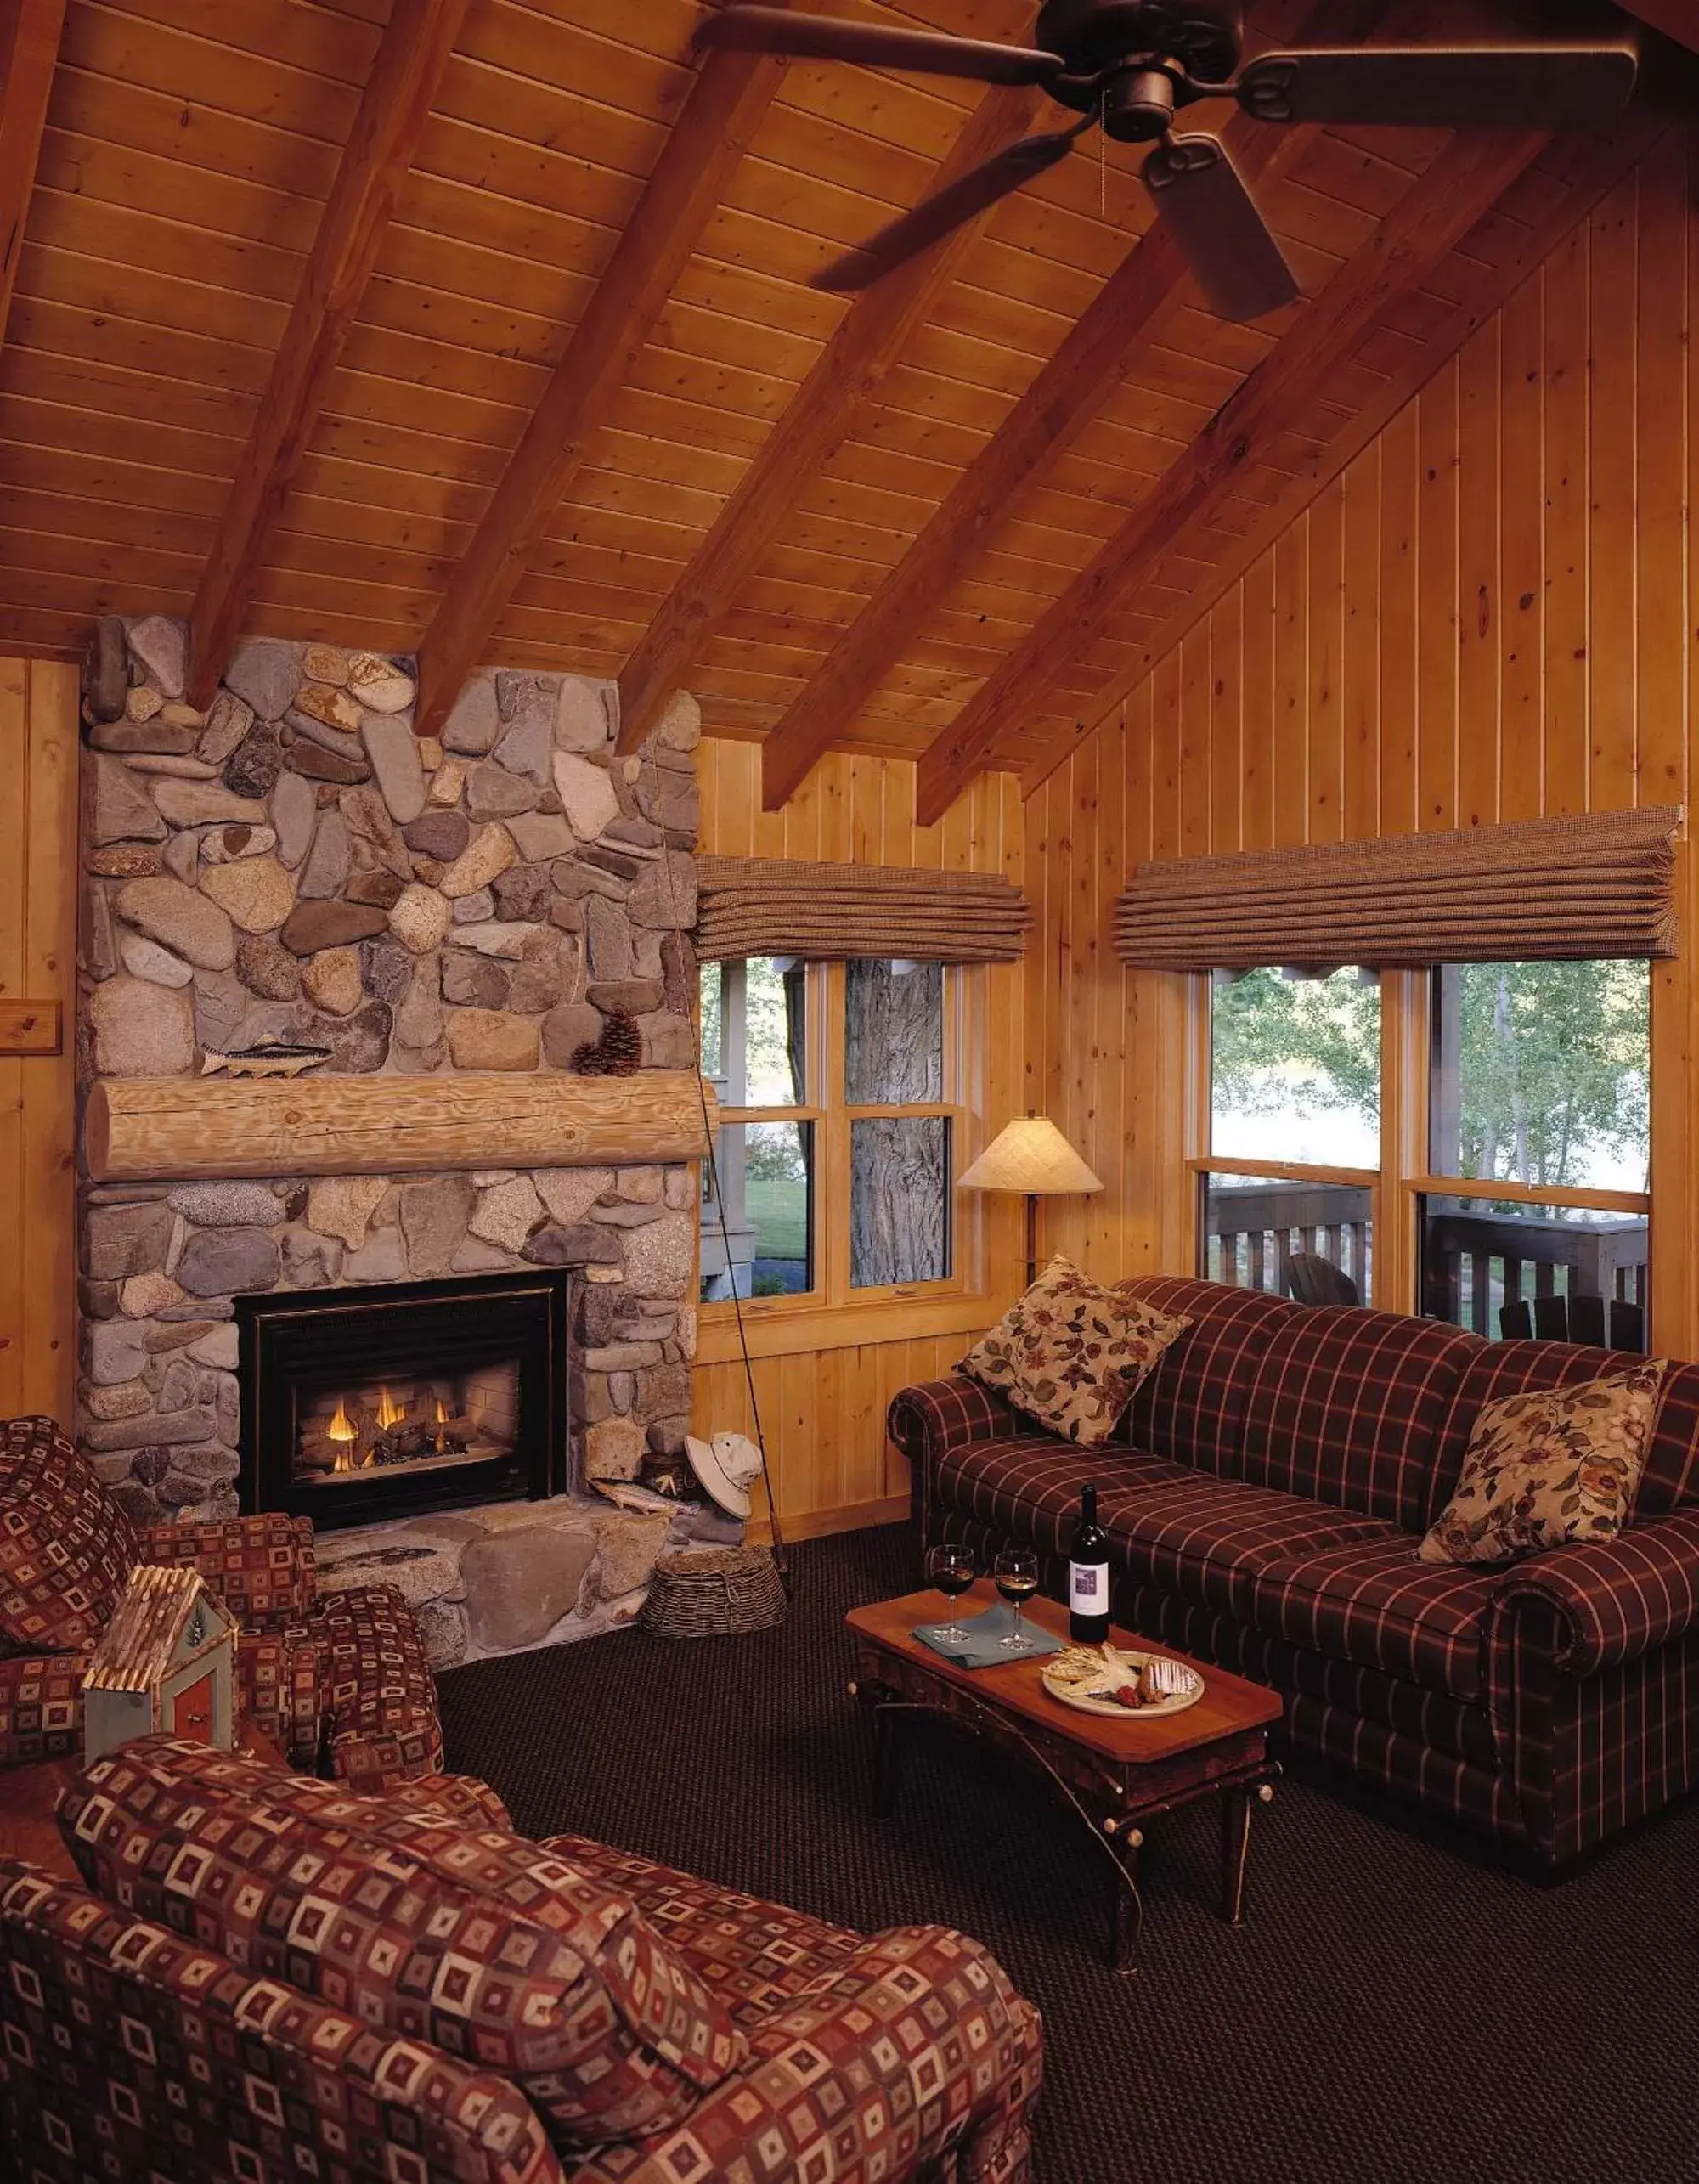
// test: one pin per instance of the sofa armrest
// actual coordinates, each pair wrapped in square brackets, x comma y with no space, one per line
[917,2048]
[262,1567]
[1616,1598]
[928,1419]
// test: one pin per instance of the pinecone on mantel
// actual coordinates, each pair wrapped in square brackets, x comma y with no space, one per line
[617,1052]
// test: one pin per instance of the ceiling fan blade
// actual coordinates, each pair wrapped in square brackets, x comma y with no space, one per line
[1200,194]
[936,216]
[1528,86]
[874,45]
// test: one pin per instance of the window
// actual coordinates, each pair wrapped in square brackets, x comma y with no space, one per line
[1509,1180]
[834,1159]
[1295,1132]
[1539,1094]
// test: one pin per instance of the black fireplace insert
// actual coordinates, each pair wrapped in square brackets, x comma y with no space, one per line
[360,1404]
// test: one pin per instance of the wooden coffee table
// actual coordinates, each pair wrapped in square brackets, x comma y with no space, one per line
[1115,1774]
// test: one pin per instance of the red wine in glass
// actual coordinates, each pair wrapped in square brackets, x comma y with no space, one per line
[952,1569]
[1017,1575]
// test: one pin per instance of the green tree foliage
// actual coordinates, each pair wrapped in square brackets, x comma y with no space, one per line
[1281,1043]
[1552,1069]
[1543,1070]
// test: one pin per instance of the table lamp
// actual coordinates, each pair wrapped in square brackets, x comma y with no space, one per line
[1031,1156]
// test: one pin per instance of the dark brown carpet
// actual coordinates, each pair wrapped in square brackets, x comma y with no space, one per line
[1400,2009]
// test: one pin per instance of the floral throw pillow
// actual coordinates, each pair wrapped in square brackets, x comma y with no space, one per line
[1071,1354]
[1548,1468]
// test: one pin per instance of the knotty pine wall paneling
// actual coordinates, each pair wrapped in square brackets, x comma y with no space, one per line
[823,1378]
[1490,615]
[38,867]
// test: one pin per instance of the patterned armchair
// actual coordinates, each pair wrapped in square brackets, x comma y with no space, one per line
[265,1976]
[338,1681]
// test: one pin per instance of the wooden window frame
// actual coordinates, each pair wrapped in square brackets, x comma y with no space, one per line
[1404,1179]
[832,1307]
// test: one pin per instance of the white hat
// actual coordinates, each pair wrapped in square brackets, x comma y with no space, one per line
[726,1466]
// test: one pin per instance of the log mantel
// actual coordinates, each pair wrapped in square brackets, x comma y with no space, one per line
[143,1129]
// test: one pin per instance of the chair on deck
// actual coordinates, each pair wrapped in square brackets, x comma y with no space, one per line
[1608,1324]
[1309,1278]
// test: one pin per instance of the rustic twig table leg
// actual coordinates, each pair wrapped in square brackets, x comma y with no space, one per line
[1235,1806]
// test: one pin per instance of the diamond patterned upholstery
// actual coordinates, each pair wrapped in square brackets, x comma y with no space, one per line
[337,1679]
[282,1978]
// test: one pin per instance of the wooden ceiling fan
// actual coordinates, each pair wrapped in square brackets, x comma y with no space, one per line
[1132,66]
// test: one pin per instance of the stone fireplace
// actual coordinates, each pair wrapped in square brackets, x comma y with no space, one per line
[294,880]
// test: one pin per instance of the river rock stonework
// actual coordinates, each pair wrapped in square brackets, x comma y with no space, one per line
[295,866]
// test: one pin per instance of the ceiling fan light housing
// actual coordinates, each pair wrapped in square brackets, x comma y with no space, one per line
[1137,105]
[1202,37]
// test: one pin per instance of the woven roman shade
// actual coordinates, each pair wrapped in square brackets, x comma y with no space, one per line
[1593,886]
[784,907]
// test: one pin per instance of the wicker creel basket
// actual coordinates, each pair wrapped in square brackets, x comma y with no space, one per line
[710,1592]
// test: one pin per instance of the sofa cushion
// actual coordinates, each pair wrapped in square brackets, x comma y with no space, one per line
[1029,1488]
[1551,1467]
[1069,1353]
[1374,1602]
[261,1567]
[65,1545]
[1191,1407]
[1205,1539]
[1670,1478]
[473,1939]
[1349,1406]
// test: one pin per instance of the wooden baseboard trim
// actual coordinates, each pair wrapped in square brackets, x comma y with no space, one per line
[819,1523]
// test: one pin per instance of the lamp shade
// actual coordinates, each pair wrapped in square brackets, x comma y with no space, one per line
[1032,1155]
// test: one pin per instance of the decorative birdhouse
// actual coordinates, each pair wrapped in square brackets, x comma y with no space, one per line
[167,1662]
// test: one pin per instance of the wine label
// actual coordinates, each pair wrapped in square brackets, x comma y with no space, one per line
[1088,1586]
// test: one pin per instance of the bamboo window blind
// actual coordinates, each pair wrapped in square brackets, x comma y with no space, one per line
[1595,885]
[791,906]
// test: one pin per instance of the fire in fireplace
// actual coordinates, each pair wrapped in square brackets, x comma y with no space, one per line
[359,1404]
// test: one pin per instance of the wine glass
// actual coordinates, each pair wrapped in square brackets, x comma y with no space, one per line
[951,1568]
[1017,1581]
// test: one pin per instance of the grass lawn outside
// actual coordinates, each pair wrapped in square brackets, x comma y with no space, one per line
[779,1210]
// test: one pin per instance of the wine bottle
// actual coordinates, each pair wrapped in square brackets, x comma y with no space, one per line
[1088,1576]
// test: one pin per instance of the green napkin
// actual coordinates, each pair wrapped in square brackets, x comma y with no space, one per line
[980,1645]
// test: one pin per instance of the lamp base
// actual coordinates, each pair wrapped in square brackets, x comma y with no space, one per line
[1031,1237]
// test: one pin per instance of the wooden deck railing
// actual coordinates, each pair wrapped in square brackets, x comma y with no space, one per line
[1252,1229]
[1474,1261]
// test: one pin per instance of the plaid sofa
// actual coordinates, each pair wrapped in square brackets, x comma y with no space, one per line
[1263,1500]
[338,1680]
[265,1977]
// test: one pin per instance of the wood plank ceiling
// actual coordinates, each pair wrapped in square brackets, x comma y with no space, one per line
[960,529]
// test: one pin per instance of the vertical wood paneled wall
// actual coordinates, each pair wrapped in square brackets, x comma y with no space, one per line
[38,867]
[1490,616]
[823,1379]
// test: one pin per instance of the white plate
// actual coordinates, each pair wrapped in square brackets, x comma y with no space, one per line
[1087,1699]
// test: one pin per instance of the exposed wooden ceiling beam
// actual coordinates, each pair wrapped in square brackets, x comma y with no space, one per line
[1126,318]
[417,41]
[29,47]
[726,102]
[1599,165]
[868,342]
[1676,18]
